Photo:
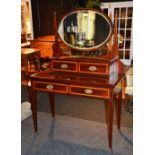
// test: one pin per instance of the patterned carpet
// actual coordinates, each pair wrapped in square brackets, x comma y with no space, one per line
[72,136]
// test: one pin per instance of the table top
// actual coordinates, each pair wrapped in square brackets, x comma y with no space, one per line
[78,79]
[26,44]
[26,51]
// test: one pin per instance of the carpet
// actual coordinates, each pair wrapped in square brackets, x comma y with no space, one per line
[72,136]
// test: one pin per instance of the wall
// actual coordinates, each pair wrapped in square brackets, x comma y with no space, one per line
[43,11]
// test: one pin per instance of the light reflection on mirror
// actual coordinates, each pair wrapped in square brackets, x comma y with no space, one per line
[85,30]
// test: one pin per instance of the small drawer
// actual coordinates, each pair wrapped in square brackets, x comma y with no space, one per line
[68,66]
[51,87]
[89,91]
[94,68]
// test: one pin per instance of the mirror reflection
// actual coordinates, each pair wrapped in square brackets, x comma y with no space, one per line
[85,29]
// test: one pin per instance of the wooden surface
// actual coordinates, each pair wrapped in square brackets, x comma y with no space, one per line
[45,44]
[28,51]
[26,56]
[46,38]
[25,45]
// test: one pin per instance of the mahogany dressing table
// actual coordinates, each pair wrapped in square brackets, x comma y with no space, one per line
[92,73]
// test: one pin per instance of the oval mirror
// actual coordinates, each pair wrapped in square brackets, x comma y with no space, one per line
[85,29]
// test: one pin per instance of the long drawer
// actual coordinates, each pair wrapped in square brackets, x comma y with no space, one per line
[89,91]
[67,66]
[93,68]
[51,87]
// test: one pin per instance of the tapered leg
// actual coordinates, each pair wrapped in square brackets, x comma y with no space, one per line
[29,94]
[34,109]
[123,92]
[119,105]
[110,121]
[52,104]
[106,111]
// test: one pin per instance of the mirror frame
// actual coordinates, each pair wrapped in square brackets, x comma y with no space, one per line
[107,18]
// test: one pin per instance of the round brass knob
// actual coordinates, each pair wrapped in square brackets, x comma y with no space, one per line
[88,91]
[92,68]
[64,66]
[50,87]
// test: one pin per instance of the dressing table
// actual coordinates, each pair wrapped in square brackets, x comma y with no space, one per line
[95,72]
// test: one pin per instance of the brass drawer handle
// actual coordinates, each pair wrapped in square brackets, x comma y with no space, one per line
[64,66]
[50,87]
[92,68]
[88,91]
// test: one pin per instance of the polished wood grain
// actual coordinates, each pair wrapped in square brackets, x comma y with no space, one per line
[110,120]
[94,68]
[51,87]
[89,91]
[26,55]
[68,66]
[34,109]
[45,44]
[118,100]
[85,65]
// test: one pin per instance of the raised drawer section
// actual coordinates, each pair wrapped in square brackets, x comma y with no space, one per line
[68,66]
[89,91]
[51,87]
[93,68]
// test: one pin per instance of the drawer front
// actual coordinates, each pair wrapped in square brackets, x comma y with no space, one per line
[51,87]
[64,66]
[89,91]
[93,68]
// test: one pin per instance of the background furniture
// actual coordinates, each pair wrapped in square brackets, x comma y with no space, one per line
[30,58]
[30,63]
[45,44]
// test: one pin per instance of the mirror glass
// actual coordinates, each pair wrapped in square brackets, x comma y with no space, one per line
[85,30]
